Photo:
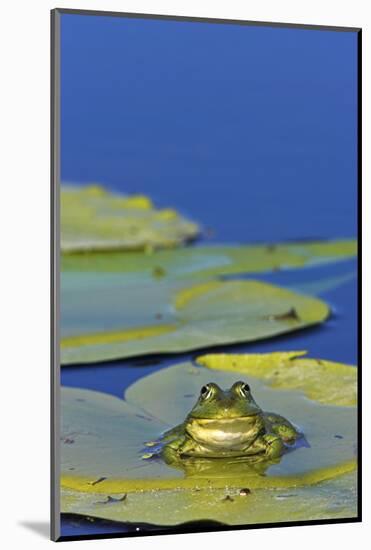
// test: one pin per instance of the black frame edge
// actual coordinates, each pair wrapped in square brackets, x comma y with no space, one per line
[182,530]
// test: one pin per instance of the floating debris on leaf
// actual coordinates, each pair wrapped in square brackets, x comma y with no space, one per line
[245,492]
[158,272]
[99,480]
[113,500]
[291,315]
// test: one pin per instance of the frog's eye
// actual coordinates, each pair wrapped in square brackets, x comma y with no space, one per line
[244,389]
[206,391]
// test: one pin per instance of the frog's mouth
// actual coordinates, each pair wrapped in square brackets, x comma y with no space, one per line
[226,433]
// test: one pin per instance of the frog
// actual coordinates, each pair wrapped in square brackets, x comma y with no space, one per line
[228,424]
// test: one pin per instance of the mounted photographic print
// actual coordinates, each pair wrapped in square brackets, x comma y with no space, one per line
[205,176]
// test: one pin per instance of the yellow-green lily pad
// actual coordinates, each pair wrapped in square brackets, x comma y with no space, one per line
[103,319]
[209,261]
[106,471]
[93,219]
[335,499]
[324,381]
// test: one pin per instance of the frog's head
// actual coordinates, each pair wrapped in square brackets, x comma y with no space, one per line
[236,402]
[225,420]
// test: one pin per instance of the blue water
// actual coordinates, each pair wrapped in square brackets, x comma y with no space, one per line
[249,130]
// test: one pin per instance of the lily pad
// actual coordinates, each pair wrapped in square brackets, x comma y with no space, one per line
[105,475]
[335,499]
[183,382]
[94,219]
[210,261]
[103,319]
[324,381]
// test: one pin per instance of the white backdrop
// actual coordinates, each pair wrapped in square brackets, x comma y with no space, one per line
[24,218]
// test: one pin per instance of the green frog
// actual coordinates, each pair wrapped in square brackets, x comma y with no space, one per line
[228,424]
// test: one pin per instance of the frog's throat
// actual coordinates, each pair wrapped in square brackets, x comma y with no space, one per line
[225,433]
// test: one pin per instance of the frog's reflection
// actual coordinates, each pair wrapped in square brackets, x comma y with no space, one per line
[223,467]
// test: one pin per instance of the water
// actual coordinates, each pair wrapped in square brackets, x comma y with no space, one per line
[249,130]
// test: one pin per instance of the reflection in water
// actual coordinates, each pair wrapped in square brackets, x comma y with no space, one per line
[225,467]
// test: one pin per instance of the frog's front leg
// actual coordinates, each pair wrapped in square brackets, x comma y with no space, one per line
[274,446]
[173,433]
[282,427]
[171,451]
[271,445]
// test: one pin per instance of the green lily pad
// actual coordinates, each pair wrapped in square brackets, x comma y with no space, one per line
[183,382]
[103,319]
[95,219]
[210,261]
[324,381]
[320,285]
[335,499]
[105,472]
